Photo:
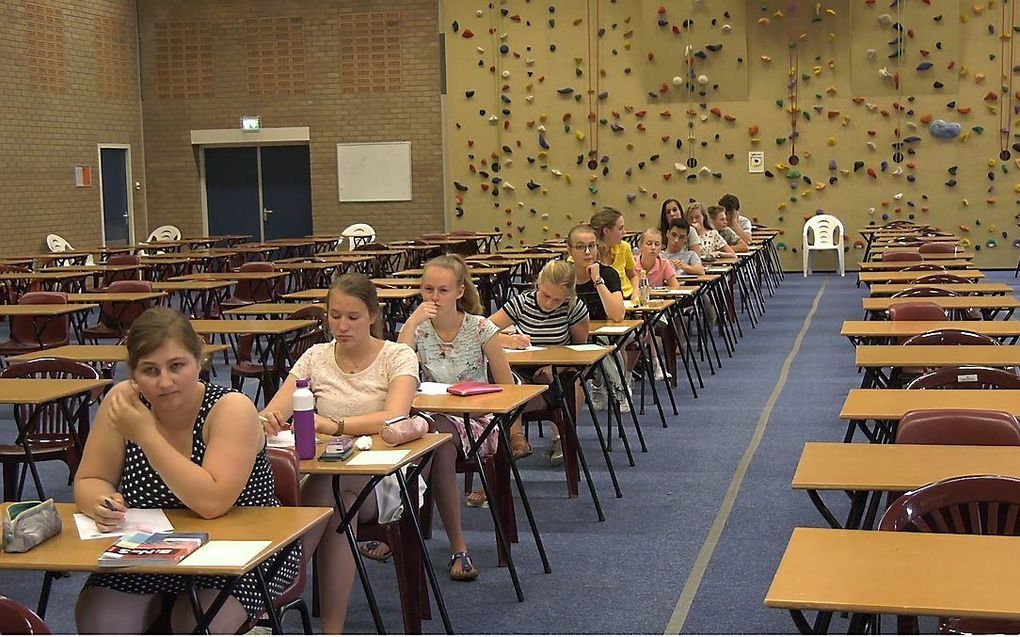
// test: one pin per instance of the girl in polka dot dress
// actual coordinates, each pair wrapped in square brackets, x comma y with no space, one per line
[163,439]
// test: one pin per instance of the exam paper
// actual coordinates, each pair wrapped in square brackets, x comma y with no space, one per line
[433,389]
[284,439]
[529,348]
[586,348]
[225,553]
[612,329]
[366,458]
[135,520]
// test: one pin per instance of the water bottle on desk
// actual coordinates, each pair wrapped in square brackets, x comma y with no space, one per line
[304,420]
[644,289]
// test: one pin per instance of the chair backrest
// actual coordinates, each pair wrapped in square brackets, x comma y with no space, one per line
[18,619]
[958,427]
[165,233]
[900,223]
[51,420]
[123,275]
[298,342]
[966,377]
[56,329]
[124,259]
[57,243]
[901,255]
[286,475]
[938,247]
[256,291]
[434,236]
[951,337]
[922,291]
[119,315]
[372,246]
[916,311]
[940,278]
[359,234]
[12,289]
[978,505]
[822,232]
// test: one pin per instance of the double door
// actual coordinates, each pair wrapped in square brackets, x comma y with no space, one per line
[262,191]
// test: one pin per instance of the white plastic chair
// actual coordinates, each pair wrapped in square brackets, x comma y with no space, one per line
[823,232]
[165,233]
[57,243]
[359,234]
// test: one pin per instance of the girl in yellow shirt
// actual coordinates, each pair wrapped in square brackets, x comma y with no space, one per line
[613,250]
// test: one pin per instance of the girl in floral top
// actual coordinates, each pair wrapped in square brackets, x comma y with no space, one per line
[454,343]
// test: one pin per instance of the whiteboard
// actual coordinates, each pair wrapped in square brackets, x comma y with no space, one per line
[375,171]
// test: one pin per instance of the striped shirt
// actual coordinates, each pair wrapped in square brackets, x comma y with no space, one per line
[544,328]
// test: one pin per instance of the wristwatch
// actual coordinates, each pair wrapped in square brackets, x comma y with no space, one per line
[600,282]
[339,426]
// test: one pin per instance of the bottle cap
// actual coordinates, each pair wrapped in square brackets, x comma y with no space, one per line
[302,383]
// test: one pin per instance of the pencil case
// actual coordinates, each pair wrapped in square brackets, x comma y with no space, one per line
[29,524]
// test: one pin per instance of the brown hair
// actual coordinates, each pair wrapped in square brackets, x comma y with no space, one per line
[360,287]
[603,219]
[154,328]
[469,301]
[713,211]
[730,202]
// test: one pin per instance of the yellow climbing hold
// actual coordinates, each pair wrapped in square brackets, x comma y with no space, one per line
[778,13]
[831,141]
[781,206]
[991,163]
[782,166]
[1016,187]
[579,134]
[817,70]
[831,37]
[763,21]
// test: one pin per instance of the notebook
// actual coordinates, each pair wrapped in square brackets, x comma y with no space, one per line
[472,388]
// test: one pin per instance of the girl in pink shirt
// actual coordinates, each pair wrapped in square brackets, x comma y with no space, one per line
[660,272]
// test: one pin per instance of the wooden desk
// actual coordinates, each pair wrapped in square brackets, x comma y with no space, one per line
[990,305]
[475,272]
[910,276]
[262,309]
[97,353]
[36,391]
[319,294]
[891,404]
[937,574]
[613,328]
[198,298]
[230,276]
[46,309]
[888,289]
[949,264]
[113,297]
[241,326]
[876,357]
[861,332]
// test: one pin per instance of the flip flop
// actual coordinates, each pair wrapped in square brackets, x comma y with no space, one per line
[477,504]
[372,545]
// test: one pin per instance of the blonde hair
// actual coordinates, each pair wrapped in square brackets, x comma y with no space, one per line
[360,287]
[641,240]
[154,328]
[697,205]
[469,302]
[602,220]
[559,272]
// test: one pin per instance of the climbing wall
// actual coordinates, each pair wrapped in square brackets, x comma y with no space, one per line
[865,109]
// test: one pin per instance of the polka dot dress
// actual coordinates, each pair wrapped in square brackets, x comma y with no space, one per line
[143,488]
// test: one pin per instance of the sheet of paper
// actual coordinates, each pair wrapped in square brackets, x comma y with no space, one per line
[529,348]
[284,439]
[629,304]
[387,457]
[612,329]
[680,292]
[433,389]
[135,520]
[225,553]
[590,347]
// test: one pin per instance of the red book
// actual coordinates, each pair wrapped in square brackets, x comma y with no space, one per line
[472,388]
[152,549]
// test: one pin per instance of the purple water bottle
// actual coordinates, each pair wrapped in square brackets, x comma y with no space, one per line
[304,420]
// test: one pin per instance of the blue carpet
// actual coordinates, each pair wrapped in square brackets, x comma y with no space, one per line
[625,575]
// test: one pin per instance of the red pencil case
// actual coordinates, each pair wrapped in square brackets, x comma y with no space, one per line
[472,388]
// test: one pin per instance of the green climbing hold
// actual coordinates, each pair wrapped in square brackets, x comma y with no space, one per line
[793,174]
[593,189]
[805,77]
[991,243]
[566,128]
[779,103]
[807,115]
[978,129]
[780,141]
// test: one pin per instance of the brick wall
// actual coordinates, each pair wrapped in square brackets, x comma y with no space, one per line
[294,63]
[70,82]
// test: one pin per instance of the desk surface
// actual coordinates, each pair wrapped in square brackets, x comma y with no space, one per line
[891,404]
[888,572]
[613,328]
[936,356]
[559,355]
[319,294]
[33,391]
[417,449]
[252,326]
[866,467]
[878,303]
[960,264]
[237,276]
[96,353]
[475,270]
[888,289]
[908,277]
[256,309]
[279,525]
[113,297]
[910,328]
[45,309]
[512,397]
[193,285]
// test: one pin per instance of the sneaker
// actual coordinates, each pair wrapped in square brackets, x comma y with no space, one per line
[599,398]
[555,452]
[660,374]
[621,398]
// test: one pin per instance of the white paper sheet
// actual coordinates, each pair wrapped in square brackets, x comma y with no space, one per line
[586,348]
[284,439]
[225,553]
[433,389]
[366,458]
[612,329]
[529,348]
[146,520]
[679,292]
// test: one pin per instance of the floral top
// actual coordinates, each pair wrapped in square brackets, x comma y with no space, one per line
[463,359]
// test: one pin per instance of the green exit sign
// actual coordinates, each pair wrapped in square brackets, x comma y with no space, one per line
[251,123]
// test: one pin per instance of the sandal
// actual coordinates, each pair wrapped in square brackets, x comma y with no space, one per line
[477,499]
[367,549]
[519,447]
[467,571]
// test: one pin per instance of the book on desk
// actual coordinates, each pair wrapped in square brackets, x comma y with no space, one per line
[151,549]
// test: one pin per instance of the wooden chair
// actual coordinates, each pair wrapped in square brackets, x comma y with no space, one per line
[983,505]
[116,317]
[917,311]
[57,431]
[12,289]
[18,619]
[929,279]
[937,247]
[958,427]
[134,274]
[901,255]
[23,335]
[247,292]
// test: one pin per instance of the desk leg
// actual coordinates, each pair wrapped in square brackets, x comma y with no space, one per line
[267,598]
[572,451]
[613,413]
[501,539]
[345,527]
[655,354]
[820,627]
[426,559]
[602,444]
[203,619]
[505,441]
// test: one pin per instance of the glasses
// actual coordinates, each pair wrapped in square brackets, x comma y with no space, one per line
[587,247]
